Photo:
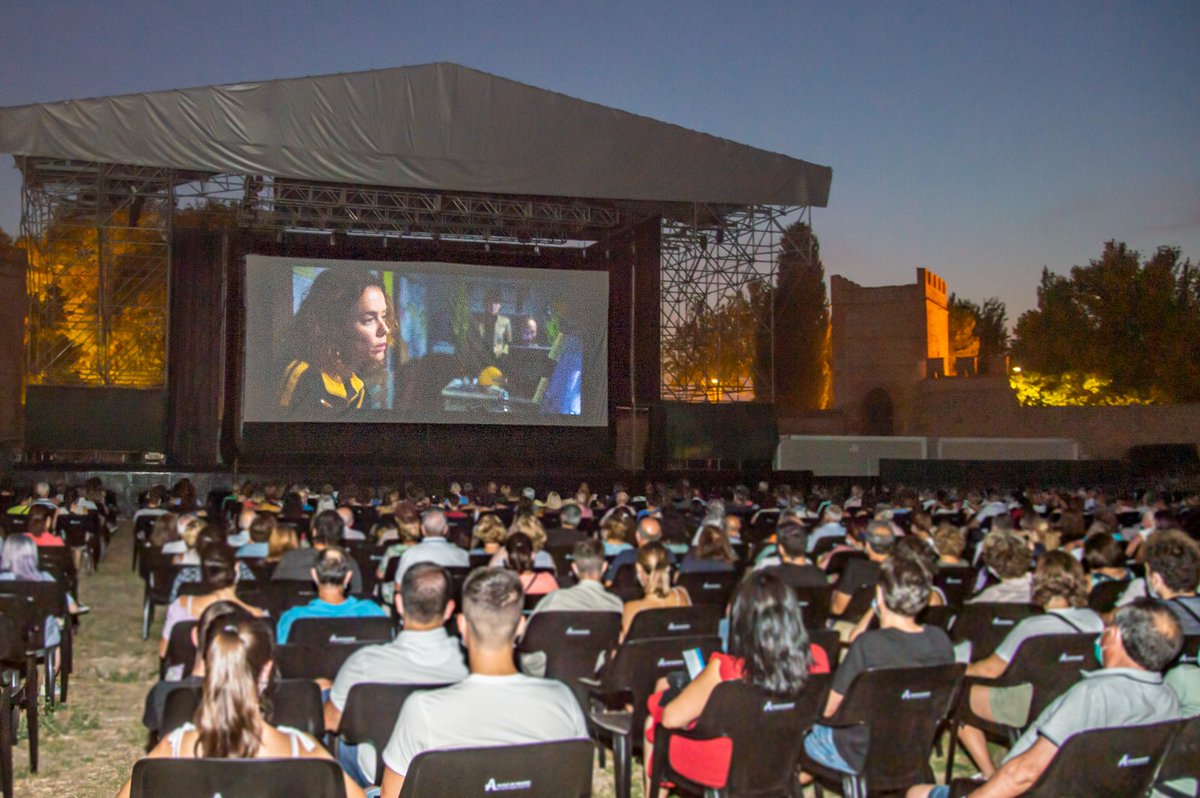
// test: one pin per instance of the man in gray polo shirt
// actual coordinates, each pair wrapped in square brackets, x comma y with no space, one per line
[434,547]
[1128,691]
[496,705]
[421,654]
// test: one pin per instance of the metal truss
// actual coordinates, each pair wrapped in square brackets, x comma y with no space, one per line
[718,277]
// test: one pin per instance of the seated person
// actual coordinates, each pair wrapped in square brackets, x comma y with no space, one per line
[949,543]
[1007,556]
[711,554]
[1127,691]
[1172,574]
[794,567]
[1105,559]
[589,595]
[519,551]
[878,541]
[331,574]
[496,705]
[423,653]
[768,647]
[901,593]
[615,533]
[229,722]
[297,564]
[653,568]
[1059,587]
[259,534]
[649,530]
[218,571]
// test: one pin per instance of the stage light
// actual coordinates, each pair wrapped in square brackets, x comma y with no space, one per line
[1016,369]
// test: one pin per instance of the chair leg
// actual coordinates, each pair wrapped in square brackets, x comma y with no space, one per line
[31,711]
[622,765]
[147,617]
[951,746]
[7,733]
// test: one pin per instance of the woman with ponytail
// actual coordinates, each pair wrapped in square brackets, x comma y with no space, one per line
[654,575]
[231,720]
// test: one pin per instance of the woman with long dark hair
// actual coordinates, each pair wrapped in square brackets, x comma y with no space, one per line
[230,722]
[768,647]
[341,335]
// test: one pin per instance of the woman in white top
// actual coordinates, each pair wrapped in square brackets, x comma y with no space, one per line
[229,723]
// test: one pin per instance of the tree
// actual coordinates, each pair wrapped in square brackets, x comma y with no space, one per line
[801,323]
[979,331]
[1133,325]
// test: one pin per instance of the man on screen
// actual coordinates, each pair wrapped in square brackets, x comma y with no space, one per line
[491,332]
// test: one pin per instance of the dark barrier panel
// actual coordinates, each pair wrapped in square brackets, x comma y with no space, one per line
[95,419]
[742,432]
[1008,473]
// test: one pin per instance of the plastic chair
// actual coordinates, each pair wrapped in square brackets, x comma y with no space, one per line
[262,778]
[1102,598]
[903,708]
[313,662]
[625,584]
[1050,663]
[764,730]
[322,631]
[48,598]
[709,588]
[277,596]
[831,641]
[180,650]
[294,702]
[81,532]
[158,575]
[20,626]
[1107,763]
[814,604]
[370,715]
[987,624]
[1180,761]
[538,770]
[572,643]
[628,678]
[955,582]
[675,622]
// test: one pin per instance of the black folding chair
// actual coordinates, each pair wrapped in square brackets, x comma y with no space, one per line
[763,730]
[81,532]
[20,629]
[814,604]
[295,703]
[675,622]
[370,715]
[902,708]
[986,625]
[262,778]
[48,599]
[1050,663]
[1102,598]
[709,588]
[158,576]
[625,584]
[322,631]
[277,596]
[628,679]
[538,770]
[1107,763]
[313,662]
[1180,761]
[572,643]
[955,582]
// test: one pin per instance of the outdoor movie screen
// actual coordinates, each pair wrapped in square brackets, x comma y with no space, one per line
[440,343]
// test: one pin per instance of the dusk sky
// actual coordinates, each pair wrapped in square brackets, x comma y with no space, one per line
[980,140]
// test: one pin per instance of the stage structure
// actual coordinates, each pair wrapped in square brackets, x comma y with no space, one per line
[467,163]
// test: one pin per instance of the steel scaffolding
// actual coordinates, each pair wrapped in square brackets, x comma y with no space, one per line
[719,272]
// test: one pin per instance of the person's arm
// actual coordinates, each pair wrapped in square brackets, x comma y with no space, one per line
[1020,773]
[688,705]
[352,788]
[630,610]
[990,668]
[863,624]
[392,783]
[160,751]
[832,704]
[333,716]
[839,602]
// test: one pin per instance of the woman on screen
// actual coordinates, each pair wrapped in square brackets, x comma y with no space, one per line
[341,333]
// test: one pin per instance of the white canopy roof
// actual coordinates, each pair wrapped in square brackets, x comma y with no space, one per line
[435,126]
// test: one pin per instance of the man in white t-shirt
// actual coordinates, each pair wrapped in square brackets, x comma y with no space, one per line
[496,705]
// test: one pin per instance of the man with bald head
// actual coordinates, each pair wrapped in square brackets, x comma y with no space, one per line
[434,547]
[649,530]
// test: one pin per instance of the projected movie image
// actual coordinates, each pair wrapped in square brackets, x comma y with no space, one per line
[424,342]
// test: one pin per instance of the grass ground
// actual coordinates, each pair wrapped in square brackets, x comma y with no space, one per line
[88,747]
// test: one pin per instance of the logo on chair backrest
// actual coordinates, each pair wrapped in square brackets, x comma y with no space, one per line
[573,632]
[507,786]
[771,706]
[1003,622]
[678,627]
[710,586]
[909,695]
[343,639]
[1065,657]
[663,662]
[1127,761]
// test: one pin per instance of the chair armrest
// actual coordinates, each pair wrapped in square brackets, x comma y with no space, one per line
[616,723]
[589,682]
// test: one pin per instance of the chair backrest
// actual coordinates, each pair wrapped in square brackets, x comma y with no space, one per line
[637,666]
[709,588]
[277,596]
[675,622]
[76,528]
[1181,759]
[321,631]
[313,662]
[572,641]
[538,770]
[1107,763]
[370,714]
[986,624]
[297,703]
[955,582]
[1190,653]
[625,584]
[814,604]
[902,708]
[764,729]
[831,641]
[19,627]
[1051,663]
[838,561]
[49,598]
[179,708]
[1103,596]
[262,778]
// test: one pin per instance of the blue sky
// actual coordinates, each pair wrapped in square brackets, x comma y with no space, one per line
[982,140]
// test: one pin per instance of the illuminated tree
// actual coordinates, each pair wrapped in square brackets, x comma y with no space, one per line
[979,331]
[1134,326]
